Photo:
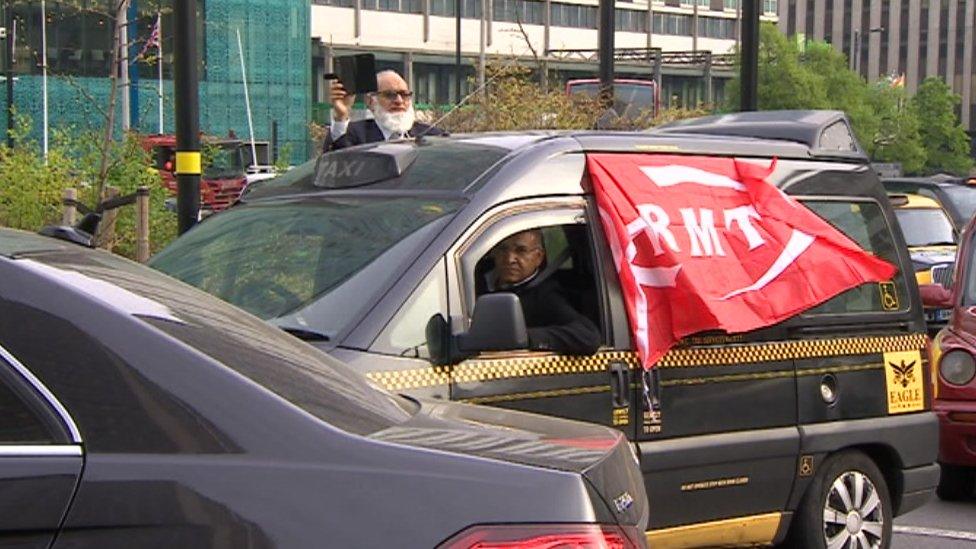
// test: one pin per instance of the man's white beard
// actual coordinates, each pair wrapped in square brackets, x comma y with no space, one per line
[394,122]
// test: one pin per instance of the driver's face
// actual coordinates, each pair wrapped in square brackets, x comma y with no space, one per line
[517,257]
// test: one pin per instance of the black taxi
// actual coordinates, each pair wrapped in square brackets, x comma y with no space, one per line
[816,430]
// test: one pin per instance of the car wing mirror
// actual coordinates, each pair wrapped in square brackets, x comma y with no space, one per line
[498,324]
[440,343]
[935,296]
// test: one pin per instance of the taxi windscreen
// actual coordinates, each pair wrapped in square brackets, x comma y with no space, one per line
[274,258]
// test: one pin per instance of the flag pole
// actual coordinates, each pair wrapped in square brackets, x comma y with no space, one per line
[159,52]
[123,68]
[44,73]
[247,101]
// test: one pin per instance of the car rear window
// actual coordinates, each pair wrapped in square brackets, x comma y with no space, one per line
[863,221]
[283,364]
[925,227]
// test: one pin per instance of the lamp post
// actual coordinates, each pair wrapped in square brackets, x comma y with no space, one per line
[855,61]
[8,41]
[186,81]
[748,97]
[457,51]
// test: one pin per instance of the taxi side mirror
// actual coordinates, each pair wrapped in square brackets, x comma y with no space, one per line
[498,324]
[935,296]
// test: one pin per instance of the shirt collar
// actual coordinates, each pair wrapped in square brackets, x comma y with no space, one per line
[493,287]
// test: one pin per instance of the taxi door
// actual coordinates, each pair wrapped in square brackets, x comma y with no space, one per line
[715,422]
[595,388]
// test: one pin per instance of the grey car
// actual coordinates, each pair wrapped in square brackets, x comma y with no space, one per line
[138,411]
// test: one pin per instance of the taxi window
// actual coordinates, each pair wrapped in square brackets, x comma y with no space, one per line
[864,223]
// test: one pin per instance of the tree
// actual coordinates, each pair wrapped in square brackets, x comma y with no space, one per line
[846,90]
[784,81]
[943,137]
[897,138]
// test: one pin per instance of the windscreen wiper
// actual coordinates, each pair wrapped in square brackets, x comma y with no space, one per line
[305,334]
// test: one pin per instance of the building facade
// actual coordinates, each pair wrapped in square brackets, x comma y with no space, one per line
[893,38]
[274,37]
[418,39]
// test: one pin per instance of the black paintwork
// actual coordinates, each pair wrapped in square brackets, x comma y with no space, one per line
[745,420]
[201,426]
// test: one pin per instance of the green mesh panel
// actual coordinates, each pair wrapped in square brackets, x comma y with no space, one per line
[277,53]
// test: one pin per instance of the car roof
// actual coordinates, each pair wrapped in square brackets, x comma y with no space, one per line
[806,135]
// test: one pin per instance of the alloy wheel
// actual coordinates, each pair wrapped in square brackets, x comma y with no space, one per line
[853,515]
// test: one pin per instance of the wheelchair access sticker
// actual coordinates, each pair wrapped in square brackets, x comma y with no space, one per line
[903,376]
[889,297]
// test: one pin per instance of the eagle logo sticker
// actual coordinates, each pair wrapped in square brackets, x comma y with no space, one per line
[903,376]
[904,373]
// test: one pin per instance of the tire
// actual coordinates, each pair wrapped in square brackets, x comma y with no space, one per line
[832,516]
[956,483]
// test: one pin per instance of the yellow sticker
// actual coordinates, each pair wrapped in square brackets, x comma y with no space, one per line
[621,416]
[903,376]
[889,297]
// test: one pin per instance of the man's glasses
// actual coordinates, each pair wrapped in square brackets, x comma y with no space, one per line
[391,95]
[518,249]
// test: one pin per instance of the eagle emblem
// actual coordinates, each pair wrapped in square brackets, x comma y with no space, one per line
[904,373]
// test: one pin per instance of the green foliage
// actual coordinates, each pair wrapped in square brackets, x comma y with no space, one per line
[282,163]
[923,134]
[944,139]
[784,81]
[516,101]
[31,192]
[897,138]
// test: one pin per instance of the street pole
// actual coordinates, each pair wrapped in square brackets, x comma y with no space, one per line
[132,49]
[605,39]
[749,56]
[457,51]
[185,82]
[8,25]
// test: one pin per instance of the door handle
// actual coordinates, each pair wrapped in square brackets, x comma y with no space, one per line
[620,384]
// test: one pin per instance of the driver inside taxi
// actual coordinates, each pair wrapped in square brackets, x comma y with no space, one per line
[553,324]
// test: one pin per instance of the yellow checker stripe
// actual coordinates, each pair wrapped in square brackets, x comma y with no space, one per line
[548,365]
[789,350]
[399,380]
[533,365]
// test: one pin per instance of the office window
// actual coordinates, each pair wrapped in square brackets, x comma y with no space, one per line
[630,20]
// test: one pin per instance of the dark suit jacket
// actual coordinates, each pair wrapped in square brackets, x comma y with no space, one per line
[366,131]
[553,324]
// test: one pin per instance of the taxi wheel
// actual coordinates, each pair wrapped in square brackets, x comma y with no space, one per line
[956,483]
[847,506]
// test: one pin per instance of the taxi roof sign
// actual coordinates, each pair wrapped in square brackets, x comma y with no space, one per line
[349,168]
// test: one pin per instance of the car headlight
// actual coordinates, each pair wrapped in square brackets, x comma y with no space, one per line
[957,367]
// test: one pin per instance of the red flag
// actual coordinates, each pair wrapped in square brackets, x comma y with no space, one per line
[705,243]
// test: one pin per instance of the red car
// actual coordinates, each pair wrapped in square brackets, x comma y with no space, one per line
[954,351]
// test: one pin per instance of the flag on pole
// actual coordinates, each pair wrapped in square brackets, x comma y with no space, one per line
[154,39]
